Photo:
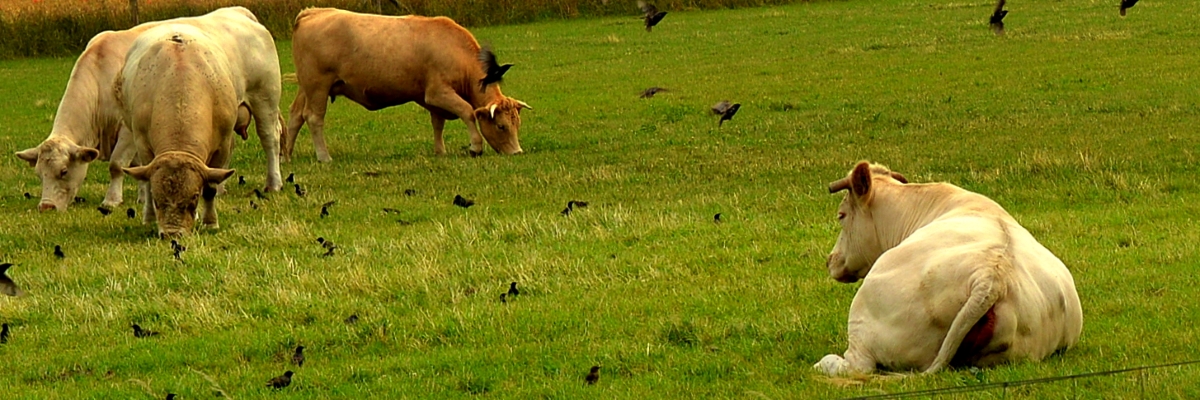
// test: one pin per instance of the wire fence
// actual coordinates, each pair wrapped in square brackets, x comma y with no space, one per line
[1004,386]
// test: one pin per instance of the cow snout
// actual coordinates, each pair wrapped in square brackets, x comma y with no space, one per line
[46,206]
[837,269]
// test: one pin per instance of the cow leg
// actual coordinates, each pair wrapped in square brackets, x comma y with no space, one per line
[448,100]
[268,124]
[148,216]
[439,145]
[121,156]
[314,115]
[296,121]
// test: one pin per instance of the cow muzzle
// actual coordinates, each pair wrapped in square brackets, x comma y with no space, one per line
[837,269]
[47,206]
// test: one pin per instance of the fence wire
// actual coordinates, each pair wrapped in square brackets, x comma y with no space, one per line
[1008,384]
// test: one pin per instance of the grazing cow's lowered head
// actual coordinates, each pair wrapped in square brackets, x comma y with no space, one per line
[62,165]
[500,124]
[859,244]
[177,180]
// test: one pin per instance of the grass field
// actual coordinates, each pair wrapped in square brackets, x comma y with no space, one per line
[1082,124]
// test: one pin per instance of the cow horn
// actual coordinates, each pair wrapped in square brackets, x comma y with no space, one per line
[523,104]
[493,110]
[839,185]
[901,178]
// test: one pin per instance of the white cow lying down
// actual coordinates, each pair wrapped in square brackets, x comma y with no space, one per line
[949,279]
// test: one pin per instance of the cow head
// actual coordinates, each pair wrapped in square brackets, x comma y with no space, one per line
[858,245]
[499,122]
[177,181]
[62,165]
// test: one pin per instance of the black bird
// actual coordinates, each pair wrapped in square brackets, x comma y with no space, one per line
[28,196]
[329,203]
[651,14]
[997,20]
[352,319]
[300,191]
[170,396]
[252,205]
[259,194]
[410,192]
[576,203]
[593,376]
[566,211]
[504,298]
[495,71]
[720,108]
[324,211]
[138,332]
[104,210]
[281,381]
[717,218]
[58,252]
[7,286]
[463,201]
[328,245]
[728,114]
[80,200]
[241,180]
[1127,4]
[653,90]
[291,178]
[3,333]
[298,358]
[512,289]
[130,213]
[177,249]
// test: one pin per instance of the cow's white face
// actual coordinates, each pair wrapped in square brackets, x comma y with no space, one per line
[176,184]
[858,246]
[500,124]
[62,166]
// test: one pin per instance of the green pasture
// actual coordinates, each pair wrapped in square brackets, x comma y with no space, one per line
[1081,123]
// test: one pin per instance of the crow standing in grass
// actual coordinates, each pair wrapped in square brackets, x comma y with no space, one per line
[298,358]
[493,69]
[1127,4]
[130,213]
[651,14]
[7,286]
[259,194]
[353,318]
[328,245]
[300,191]
[291,178]
[997,20]
[281,381]
[138,332]
[104,210]
[463,201]
[730,112]
[177,249]
[717,218]
[593,376]
[3,333]
[653,90]
[28,196]
[512,289]
[170,396]
[58,252]
[241,180]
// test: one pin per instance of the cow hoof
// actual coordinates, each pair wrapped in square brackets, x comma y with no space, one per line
[212,226]
[110,205]
[832,365]
[324,158]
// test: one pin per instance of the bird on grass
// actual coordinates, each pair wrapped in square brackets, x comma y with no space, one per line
[717,218]
[504,298]
[129,212]
[281,381]
[252,205]
[653,90]
[463,201]
[651,14]
[410,192]
[58,252]
[729,113]
[997,19]
[300,191]
[259,194]
[593,376]
[177,249]
[104,210]
[3,333]
[493,69]
[7,286]
[512,289]
[170,396]
[328,245]
[28,196]
[1127,4]
[571,206]
[721,107]
[291,178]
[80,200]
[298,358]
[353,318]
[241,180]
[138,332]
[324,211]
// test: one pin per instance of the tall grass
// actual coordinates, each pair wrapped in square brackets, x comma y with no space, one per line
[37,28]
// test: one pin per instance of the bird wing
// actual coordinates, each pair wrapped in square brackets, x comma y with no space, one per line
[488,58]
[999,7]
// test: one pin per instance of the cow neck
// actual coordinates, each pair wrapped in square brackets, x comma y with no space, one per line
[485,98]
[899,210]
[81,115]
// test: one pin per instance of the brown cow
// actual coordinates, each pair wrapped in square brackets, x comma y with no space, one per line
[380,61]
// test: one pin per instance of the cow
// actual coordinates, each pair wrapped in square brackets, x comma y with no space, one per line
[88,124]
[182,98]
[949,279]
[381,61]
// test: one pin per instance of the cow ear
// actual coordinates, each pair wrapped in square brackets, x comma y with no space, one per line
[860,179]
[86,154]
[29,155]
[139,173]
[217,175]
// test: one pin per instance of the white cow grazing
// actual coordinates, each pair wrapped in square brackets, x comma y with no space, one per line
[949,279]
[88,123]
[181,96]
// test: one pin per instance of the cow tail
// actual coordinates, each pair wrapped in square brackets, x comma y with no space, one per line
[985,291]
